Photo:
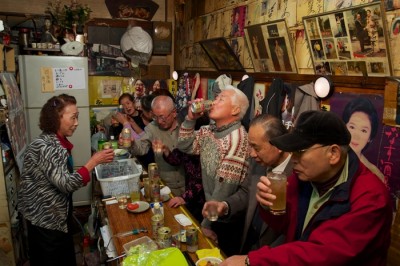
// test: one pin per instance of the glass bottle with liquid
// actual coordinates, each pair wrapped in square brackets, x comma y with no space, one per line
[101,141]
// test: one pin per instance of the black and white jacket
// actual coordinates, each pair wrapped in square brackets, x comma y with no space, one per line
[46,184]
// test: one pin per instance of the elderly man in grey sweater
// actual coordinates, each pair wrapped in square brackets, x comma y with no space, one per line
[165,127]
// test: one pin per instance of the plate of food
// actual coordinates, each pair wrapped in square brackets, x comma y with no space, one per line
[137,206]
[208,261]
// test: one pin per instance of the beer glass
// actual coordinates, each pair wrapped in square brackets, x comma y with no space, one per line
[278,187]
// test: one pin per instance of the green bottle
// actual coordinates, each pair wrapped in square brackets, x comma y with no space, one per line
[101,141]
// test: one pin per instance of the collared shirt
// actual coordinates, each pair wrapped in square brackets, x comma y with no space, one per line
[316,201]
[281,168]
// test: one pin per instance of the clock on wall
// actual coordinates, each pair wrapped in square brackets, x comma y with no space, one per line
[162,37]
[162,32]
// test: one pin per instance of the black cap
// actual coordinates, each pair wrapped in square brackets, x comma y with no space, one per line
[314,127]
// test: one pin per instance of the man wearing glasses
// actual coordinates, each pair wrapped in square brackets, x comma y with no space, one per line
[338,211]
[224,152]
[264,158]
[164,127]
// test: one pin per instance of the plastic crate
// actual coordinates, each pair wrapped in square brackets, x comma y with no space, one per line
[116,177]
[147,243]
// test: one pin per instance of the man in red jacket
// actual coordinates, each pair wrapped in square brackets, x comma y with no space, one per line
[338,212]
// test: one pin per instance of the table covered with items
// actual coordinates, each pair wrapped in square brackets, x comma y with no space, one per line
[148,232]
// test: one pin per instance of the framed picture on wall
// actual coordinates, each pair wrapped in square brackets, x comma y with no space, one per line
[270,47]
[221,54]
[350,42]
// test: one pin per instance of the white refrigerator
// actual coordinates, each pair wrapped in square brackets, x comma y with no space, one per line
[42,77]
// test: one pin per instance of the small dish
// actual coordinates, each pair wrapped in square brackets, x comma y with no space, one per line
[121,154]
[165,197]
[208,261]
[143,206]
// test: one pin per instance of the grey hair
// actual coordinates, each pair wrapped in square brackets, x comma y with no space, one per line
[273,126]
[163,101]
[239,99]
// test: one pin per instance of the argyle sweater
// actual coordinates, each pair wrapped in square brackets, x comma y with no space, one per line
[223,154]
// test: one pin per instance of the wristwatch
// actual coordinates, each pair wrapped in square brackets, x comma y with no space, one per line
[247,261]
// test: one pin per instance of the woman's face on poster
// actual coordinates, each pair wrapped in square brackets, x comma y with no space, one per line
[359,126]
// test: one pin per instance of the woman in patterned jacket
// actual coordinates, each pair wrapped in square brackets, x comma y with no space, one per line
[48,180]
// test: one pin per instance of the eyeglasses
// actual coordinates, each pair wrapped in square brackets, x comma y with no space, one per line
[301,152]
[162,118]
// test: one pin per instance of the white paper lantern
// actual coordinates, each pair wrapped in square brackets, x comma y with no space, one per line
[137,45]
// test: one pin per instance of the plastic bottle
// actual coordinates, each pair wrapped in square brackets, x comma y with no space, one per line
[158,209]
[100,142]
[114,143]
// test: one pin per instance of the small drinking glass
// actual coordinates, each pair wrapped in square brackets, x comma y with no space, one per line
[212,213]
[122,199]
[134,189]
[157,146]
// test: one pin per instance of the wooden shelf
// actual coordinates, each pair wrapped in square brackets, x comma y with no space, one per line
[42,50]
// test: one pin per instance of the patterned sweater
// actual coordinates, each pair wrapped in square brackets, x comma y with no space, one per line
[46,183]
[224,156]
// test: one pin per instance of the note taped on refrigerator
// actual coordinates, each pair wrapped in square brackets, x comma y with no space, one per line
[62,78]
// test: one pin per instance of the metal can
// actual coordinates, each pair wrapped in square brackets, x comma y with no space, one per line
[164,237]
[201,106]
[152,170]
[192,239]
[157,221]
[126,138]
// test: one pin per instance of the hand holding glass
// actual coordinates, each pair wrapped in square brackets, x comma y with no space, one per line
[212,211]
[157,146]
[278,187]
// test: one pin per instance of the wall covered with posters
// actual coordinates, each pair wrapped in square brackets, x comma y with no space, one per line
[209,19]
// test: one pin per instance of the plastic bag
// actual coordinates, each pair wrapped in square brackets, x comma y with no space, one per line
[163,257]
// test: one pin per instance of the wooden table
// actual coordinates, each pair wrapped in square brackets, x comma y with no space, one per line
[121,220]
